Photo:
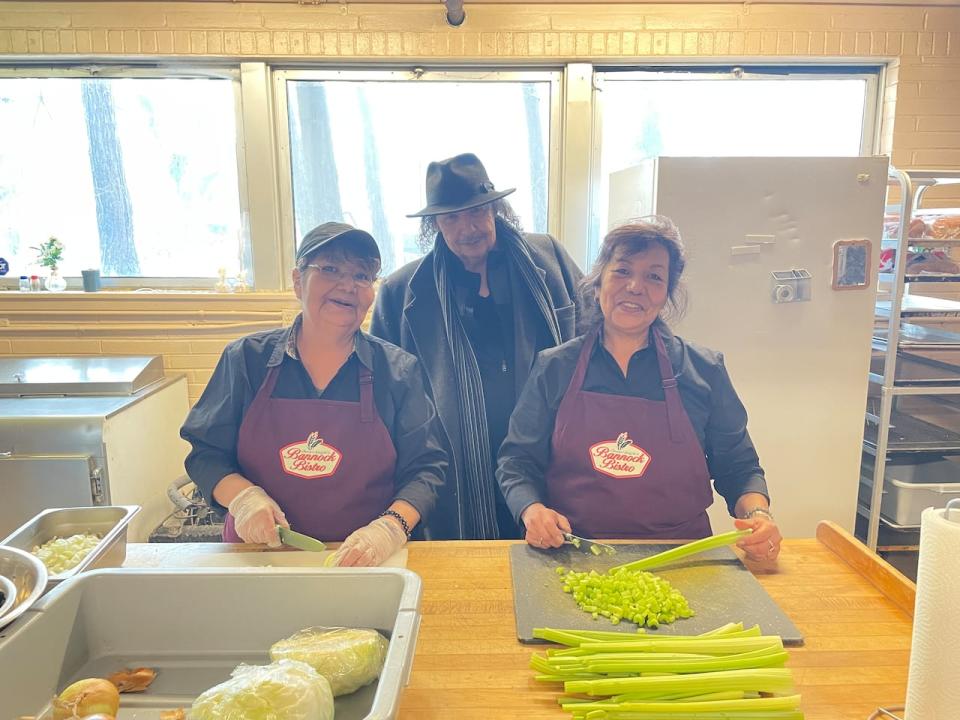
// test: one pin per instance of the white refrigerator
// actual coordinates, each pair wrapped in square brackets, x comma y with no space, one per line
[789,306]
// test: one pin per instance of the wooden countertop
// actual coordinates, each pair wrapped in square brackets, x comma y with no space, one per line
[854,610]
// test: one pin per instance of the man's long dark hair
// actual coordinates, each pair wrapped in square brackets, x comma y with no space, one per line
[501,211]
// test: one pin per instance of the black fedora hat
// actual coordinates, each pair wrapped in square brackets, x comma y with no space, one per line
[360,241]
[458,183]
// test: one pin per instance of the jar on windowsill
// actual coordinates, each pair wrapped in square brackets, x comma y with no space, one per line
[54,282]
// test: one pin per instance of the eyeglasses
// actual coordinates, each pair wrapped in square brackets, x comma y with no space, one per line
[334,274]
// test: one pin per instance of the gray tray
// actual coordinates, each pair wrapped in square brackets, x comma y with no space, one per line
[718,587]
[195,626]
[108,521]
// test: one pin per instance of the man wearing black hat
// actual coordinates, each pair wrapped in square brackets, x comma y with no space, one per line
[476,309]
[318,426]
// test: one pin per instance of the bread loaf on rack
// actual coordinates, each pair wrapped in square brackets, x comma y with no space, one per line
[946,228]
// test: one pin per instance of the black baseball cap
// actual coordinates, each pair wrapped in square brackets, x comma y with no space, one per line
[358,241]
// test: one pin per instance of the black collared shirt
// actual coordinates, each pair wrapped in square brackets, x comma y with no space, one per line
[213,425]
[716,413]
[488,323]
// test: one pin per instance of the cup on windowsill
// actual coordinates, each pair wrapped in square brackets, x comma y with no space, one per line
[91,280]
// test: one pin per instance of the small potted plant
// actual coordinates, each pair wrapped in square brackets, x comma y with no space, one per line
[49,255]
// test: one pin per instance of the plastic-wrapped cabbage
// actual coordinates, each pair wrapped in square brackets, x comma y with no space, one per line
[348,657]
[284,690]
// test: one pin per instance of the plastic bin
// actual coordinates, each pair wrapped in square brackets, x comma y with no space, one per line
[911,487]
[194,627]
[905,501]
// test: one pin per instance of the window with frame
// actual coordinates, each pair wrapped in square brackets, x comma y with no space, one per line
[135,174]
[708,112]
[360,142]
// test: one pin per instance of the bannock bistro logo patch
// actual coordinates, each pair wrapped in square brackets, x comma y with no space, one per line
[311,458]
[619,458]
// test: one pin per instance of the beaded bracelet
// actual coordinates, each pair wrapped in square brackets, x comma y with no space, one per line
[756,511]
[398,516]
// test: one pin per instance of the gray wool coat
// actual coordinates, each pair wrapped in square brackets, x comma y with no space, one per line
[407,313]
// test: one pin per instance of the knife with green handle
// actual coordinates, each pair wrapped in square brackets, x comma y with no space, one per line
[299,540]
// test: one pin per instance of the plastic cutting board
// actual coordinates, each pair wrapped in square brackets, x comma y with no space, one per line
[718,587]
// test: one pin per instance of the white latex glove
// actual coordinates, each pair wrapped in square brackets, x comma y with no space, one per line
[372,544]
[256,516]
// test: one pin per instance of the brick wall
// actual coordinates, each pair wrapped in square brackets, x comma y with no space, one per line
[920,124]
[189,330]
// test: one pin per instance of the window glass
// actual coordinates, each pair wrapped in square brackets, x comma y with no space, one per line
[135,176]
[359,150]
[647,118]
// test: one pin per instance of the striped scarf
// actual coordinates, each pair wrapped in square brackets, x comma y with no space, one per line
[477,475]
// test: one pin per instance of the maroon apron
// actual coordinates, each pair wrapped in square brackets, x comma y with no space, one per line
[328,464]
[627,466]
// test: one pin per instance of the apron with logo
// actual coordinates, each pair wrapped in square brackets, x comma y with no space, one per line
[328,464]
[626,466]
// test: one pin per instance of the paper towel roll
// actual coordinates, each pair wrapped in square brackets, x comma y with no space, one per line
[933,685]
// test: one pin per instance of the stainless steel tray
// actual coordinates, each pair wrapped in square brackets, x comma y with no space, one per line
[195,626]
[108,521]
[29,578]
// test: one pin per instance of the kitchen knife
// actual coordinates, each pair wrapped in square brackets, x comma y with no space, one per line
[597,548]
[299,540]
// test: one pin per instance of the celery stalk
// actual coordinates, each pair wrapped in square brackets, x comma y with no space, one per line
[725,695]
[775,680]
[724,629]
[705,646]
[738,715]
[683,551]
[688,666]
[784,702]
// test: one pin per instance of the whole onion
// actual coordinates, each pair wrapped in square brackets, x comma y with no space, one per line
[94,697]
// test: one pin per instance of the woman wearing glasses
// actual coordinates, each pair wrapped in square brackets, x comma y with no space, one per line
[319,426]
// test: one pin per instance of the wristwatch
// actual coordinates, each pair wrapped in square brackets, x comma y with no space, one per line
[757,511]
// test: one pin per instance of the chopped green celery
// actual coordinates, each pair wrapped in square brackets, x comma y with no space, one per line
[682,551]
[775,680]
[637,597]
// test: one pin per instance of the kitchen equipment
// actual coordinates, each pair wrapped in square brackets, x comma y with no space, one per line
[716,584]
[588,545]
[218,555]
[29,577]
[299,540]
[78,431]
[911,484]
[108,521]
[194,627]
[193,520]
[793,347]
[8,595]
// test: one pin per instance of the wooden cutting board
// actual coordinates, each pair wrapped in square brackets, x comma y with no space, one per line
[718,587]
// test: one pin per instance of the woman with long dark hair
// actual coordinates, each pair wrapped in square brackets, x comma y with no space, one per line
[619,431]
